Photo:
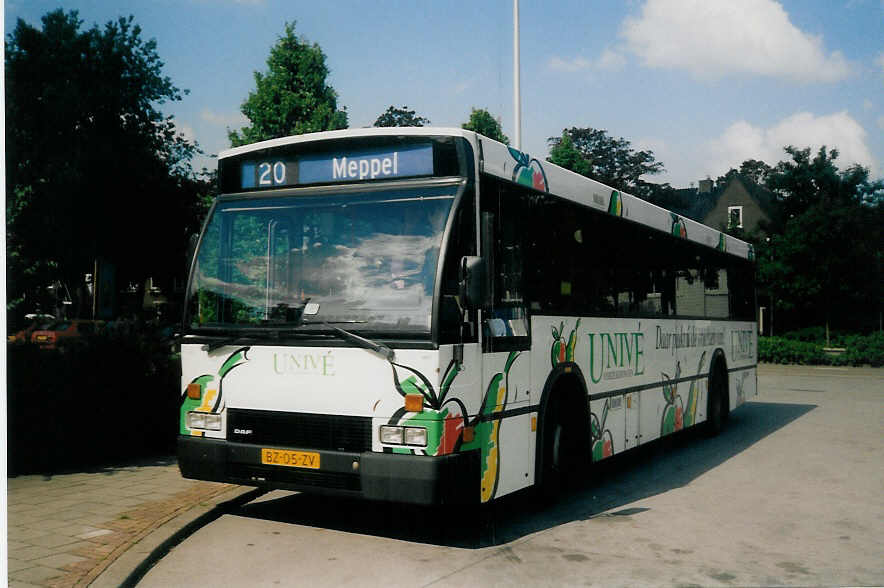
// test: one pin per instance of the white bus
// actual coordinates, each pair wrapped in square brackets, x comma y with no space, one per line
[428,316]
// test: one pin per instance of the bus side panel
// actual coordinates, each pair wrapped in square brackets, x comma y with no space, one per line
[646,377]
[504,431]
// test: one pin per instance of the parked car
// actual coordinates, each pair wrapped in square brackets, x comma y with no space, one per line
[60,332]
[32,323]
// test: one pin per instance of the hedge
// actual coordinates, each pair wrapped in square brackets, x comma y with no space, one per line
[805,347]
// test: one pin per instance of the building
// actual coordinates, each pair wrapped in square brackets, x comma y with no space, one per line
[738,204]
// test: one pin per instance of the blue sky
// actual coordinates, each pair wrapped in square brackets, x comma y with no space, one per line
[705,84]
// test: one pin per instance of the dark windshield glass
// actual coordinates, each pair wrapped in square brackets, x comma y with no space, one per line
[368,259]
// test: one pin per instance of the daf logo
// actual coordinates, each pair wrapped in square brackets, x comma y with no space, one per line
[243,431]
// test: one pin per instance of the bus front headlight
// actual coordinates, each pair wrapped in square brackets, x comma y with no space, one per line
[396,435]
[203,420]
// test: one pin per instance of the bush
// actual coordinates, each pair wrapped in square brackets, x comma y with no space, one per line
[806,347]
[110,397]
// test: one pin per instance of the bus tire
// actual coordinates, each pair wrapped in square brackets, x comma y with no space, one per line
[563,450]
[717,403]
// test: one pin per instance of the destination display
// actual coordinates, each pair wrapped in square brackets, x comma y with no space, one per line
[375,164]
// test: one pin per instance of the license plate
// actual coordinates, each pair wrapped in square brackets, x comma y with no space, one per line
[292,459]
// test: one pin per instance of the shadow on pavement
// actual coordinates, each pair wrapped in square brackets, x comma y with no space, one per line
[661,466]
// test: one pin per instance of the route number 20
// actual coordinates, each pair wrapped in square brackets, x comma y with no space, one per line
[271,174]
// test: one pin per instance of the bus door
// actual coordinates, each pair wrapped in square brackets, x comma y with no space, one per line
[506,344]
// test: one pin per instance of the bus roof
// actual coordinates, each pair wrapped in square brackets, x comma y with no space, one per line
[505,162]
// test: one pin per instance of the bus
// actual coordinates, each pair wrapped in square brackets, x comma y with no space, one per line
[428,316]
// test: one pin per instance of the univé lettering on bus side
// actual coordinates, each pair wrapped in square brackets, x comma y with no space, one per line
[304,364]
[615,355]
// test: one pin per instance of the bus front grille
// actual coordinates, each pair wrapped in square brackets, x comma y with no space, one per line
[301,430]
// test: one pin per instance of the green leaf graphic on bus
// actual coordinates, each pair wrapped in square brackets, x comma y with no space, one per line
[443,417]
[561,350]
[210,397]
[528,171]
[615,206]
[679,227]
[602,439]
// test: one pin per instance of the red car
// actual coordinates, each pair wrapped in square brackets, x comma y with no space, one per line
[66,330]
[34,322]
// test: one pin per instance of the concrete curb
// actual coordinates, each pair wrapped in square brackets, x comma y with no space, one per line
[131,566]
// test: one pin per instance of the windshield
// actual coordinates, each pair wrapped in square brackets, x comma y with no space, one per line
[365,258]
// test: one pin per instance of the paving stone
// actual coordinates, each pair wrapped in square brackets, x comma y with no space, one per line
[36,574]
[15,564]
[94,533]
[22,533]
[53,540]
[20,584]
[59,560]
[31,552]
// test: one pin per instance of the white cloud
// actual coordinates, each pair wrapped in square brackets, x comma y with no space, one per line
[714,38]
[224,119]
[742,141]
[609,60]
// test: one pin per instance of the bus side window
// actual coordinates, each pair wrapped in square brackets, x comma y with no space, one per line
[506,326]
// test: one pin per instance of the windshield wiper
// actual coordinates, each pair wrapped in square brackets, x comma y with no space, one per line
[229,338]
[378,348]
[276,333]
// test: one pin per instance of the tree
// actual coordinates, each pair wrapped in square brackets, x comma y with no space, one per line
[292,97]
[483,123]
[752,169]
[804,182]
[94,169]
[822,261]
[595,154]
[400,117]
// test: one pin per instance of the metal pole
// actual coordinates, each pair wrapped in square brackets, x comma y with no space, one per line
[517,106]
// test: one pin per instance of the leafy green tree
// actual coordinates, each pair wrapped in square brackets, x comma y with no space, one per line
[400,117]
[94,169]
[595,154]
[292,97]
[752,169]
[822,262]
[482,122]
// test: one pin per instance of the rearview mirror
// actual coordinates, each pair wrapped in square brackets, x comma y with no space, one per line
[473,282]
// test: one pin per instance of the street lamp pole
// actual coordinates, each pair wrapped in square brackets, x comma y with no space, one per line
[517,105]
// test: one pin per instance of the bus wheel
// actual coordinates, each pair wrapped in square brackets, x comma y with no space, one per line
[716,408]
[561,448]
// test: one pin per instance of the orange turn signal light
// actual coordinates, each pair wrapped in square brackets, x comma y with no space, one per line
[414,402]
[469,433]
[194,391]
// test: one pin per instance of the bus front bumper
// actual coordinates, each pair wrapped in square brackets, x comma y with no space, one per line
[414,479]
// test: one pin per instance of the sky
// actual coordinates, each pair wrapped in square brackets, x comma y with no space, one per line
[704,84]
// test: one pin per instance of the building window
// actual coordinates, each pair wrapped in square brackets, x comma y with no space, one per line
[735,217]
